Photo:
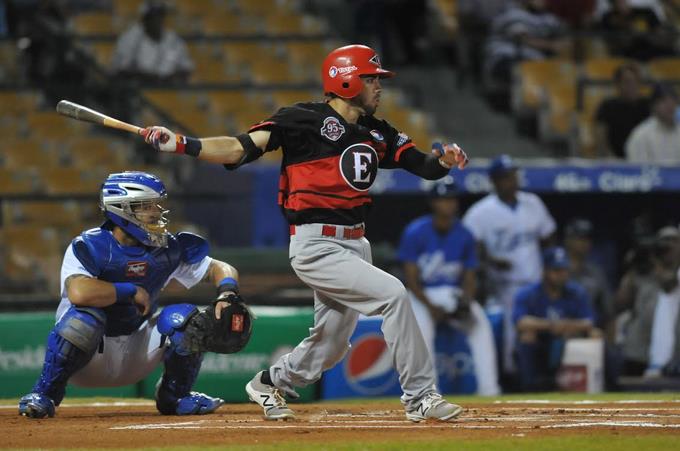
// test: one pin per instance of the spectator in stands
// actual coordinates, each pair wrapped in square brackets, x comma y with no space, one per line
[149,52]
[636,32]
[664,336]
[578,235]
[474,20]
[636,299]
[510,227]
[656,140]
[617,116]
[523,32]
[545,315]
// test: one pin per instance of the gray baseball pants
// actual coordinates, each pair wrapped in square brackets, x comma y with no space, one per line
[345,284]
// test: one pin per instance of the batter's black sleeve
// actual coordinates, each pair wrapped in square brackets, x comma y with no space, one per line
[286,125]
[421,164]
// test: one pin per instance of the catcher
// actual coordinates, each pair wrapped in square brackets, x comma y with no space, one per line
[107,331]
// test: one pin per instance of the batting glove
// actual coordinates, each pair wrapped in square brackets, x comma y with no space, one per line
[160,138]
[450,155]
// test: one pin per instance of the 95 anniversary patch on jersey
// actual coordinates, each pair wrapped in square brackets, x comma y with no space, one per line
[332,128]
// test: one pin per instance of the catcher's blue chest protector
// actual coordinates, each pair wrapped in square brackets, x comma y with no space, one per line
[148,267]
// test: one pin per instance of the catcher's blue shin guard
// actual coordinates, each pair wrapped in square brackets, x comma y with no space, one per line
[70,345]
[173,392]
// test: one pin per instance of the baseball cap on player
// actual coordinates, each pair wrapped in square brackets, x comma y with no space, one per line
[445,187]
[501,165]
[121,195]
[343,67]
[555,258]
[578,228]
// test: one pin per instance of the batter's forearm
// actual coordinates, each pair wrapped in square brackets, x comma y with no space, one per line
[221,150]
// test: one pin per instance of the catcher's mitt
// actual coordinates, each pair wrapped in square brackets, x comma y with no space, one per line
[227,335]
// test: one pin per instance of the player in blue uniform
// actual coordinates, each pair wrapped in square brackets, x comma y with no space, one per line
[108,332]
[545,315]
[440,262]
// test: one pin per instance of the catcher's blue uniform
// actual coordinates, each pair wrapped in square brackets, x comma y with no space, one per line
[116,345]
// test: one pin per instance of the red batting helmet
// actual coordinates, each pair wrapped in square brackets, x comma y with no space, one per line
[342,68]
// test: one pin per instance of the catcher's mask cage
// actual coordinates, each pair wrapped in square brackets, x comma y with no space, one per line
[132,201]
[343,68]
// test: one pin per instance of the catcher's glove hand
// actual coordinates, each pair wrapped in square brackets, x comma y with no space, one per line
[226,335]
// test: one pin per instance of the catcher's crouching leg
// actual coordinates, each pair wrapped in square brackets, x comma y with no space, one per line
[70,346]
[191,332]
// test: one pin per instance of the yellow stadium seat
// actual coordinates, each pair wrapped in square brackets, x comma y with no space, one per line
[93,152]
[602,68]
[17,182]
[49,124]
[228,101]
[52,213]
[287,97]
[94,24]
[220,23]
[561,107]
[664,69]
[128,9]
[261,8]
[272,71]
[533,78]
[9,55]
[18,102]
[69,181]
[32,254]
[28,154]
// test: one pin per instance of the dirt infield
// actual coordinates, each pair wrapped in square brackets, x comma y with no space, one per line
[139,425]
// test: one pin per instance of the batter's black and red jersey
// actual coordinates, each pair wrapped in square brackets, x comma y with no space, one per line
[329,164]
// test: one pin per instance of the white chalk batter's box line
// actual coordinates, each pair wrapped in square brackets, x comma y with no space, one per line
[208,424]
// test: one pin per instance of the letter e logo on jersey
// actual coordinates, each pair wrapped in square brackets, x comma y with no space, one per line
[359,166]
[332,128]
[136,269]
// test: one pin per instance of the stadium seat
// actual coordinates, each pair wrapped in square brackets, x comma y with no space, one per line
[28,154]
[602,68]
[556,120]
[32,253]
[90,152]
[15,103]
[101,52]
[94,24]
[70,181]
[662,69]
[45,213]
[533,78]
[17,182]
[287,97]
[49,124]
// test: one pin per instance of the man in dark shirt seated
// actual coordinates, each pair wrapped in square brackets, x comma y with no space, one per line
[617,116]
[545,315]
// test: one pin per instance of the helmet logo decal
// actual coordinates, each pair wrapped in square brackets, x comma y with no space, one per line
[375,59]
[136,269]
[332,128]
[334,71]
[359,166]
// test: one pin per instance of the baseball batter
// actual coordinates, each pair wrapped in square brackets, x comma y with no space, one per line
[331,154]
[440,262]
[510,227]
[106,333]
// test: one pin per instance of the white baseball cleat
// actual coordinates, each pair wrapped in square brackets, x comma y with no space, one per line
[269,398]
[433,407]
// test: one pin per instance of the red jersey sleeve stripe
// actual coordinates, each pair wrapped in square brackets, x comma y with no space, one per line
[260,125]
[400,150]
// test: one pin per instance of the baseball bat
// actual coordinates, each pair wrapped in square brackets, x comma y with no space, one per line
[82,113]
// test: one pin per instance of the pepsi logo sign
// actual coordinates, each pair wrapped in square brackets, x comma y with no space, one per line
[368,366]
